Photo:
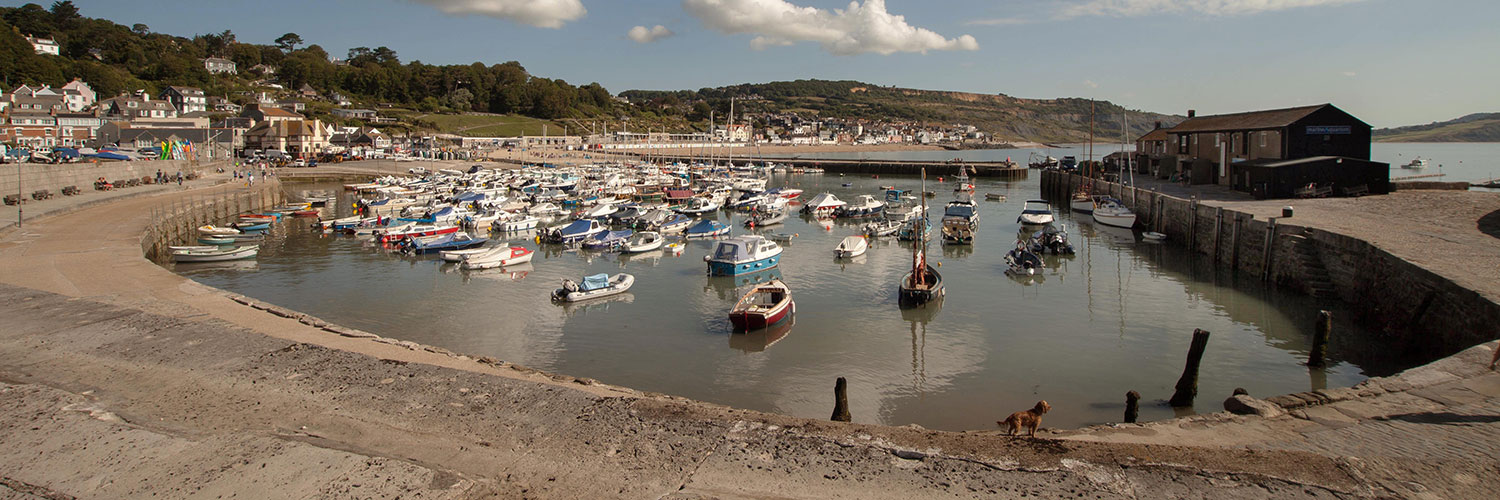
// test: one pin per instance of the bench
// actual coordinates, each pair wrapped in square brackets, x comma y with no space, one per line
[13,199]
[103,186]
[1355,191]
[69,190]
[41,194]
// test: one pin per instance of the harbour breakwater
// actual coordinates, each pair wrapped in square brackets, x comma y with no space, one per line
[176,222]
[1424,313]
[25,178]
[995,169]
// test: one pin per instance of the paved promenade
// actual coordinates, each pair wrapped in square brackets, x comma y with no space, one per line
[123,380]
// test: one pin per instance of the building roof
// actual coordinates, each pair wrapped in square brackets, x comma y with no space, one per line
[1155,135]
[1251,120]
[187,91]
[279,113]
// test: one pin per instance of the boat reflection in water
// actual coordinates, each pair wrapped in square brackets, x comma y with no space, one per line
[600,305]
[517,272]
[760,340]
[228,265]
[649,259]
[727,287]
[917,318]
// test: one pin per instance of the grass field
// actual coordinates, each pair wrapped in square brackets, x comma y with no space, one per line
[486,125]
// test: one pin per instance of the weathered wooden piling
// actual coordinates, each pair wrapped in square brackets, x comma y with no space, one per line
[1187,385]
[1132,406]
[841,401]
[1322,329]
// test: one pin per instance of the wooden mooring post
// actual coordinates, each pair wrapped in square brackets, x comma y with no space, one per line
[1187,385]
[841,401]
[1132,406]
[1322,330]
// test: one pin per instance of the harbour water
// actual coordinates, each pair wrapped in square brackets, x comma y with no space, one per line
[1115,317]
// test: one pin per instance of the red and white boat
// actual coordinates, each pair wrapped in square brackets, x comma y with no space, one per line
[415,231]
[500,256]
[763,306]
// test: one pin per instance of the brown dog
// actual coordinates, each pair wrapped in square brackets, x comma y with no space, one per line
[1029,418]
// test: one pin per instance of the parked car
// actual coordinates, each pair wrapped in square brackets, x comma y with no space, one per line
[417,170]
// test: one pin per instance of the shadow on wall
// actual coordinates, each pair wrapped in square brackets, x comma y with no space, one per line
[1490,224]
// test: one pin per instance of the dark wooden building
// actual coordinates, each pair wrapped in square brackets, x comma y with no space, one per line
[1204,149]
[1313,176]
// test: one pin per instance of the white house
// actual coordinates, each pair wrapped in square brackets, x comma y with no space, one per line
[44,45]
[186,99]
[217,65]
[79,95]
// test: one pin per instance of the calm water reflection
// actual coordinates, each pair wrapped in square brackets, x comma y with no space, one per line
[1115,317]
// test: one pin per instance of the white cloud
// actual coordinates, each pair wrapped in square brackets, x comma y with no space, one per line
[857,29]
[1349,74]
[539,13]
[1133,8]
[997,21]
[642,34]
[1090,84]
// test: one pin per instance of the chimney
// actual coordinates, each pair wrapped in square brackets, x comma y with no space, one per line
[1158,126]
[1192,113]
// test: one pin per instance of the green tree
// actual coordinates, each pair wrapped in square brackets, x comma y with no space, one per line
[288,42]
[140,29]
[461,100]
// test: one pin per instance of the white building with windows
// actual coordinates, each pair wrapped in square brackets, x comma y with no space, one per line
[44,45]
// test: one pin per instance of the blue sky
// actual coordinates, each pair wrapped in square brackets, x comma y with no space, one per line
[1390,62]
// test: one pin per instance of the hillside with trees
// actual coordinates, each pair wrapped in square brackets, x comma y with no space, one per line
[1477,127]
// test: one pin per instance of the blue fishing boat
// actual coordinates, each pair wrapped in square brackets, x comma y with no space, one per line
[450,241]
[577,231]
[608,240]
[706,229]
[745,254]
[245,228]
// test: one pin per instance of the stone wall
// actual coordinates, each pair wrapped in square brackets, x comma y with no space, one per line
[1428,315]
[37,176]
[177,222]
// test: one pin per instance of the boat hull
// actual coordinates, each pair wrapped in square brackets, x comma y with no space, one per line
[746,320]
[724,268]
[1126,221]
[909,295]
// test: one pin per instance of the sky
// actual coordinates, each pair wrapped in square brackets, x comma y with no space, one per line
[1388,62]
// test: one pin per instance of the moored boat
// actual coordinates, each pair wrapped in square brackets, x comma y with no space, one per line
[593,287]
[1035,213]
[213,230]
[763,306]
[500,256]
[922,285]
[644,241]
[706,228]
[851,246]
[216,255]
[1112,212]
[576,231]
[743,254]
[608,240]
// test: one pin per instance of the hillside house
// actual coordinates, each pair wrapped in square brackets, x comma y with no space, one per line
[44,45]
[295,137]
[219,66]
[186,99]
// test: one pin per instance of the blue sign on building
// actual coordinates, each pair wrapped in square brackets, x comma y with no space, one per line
[1328,130]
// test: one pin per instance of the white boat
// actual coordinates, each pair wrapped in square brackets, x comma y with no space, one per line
[545,208]
[216,255]
[593,287]
[1111,212]
[823,204]
[644,241]
[865,206]
[852,246]
[501,256]
[1081,203]
[698,206]
[518,223]
[459,255]
[1416,163]
[882,228]
[193,248]
[217,230]
[741,255]
[1036,213]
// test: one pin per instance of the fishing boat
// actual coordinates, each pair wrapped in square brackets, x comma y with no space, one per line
[216,254]
[213,230]
[593,287]
[644,241]
[215,240]
[957,232]
[1416,163]
[500,256]
[767,218]
[515,223]
[881,228]
[706,228]
[1035,213]
[677,224]
[744,254]
[698,206]
[1112,212]
[1021,261]
[449,241]
[961,211]
[851,246]
[822,205]
[576,231]
[923,284]
[1081,202]
[763,306]
[864,206]
[607,240]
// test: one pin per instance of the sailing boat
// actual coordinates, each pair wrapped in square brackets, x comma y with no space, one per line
[1108,210]
[923,284]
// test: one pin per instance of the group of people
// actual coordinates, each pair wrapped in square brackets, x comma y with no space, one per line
[162,178]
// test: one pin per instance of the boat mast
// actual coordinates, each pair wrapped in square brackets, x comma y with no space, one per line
[729,132]
[919,256]
[1091,139]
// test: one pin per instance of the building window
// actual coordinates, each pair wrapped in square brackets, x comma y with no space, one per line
[1182,144]
[1262,139]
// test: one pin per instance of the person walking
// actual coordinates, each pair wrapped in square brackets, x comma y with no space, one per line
[179,178]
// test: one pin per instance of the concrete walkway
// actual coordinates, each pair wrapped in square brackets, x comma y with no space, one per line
[121,379]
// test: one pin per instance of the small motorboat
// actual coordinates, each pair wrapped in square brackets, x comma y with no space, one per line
[644,241]
[1051,239]
[515,223]
[1022,261]
[217,254]
[769,218]
[914,229]
[698,206]
[1112,212]
[213,230]
[1153,236]
[763,306]
[501,256]
[956,232]
[192,248]
[706,229]
[439,243]
[459,255]
[994,197]
[576,231]
[414,230]
[676,224]
[782,238]
[593,287]
[823,205]
[608,240]
[882,228]
[1416,163]
[1036,213]
[851,246]
[246,228]
[1081,202]
[599,212]
[865,206]
[216,240]
[741,255]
